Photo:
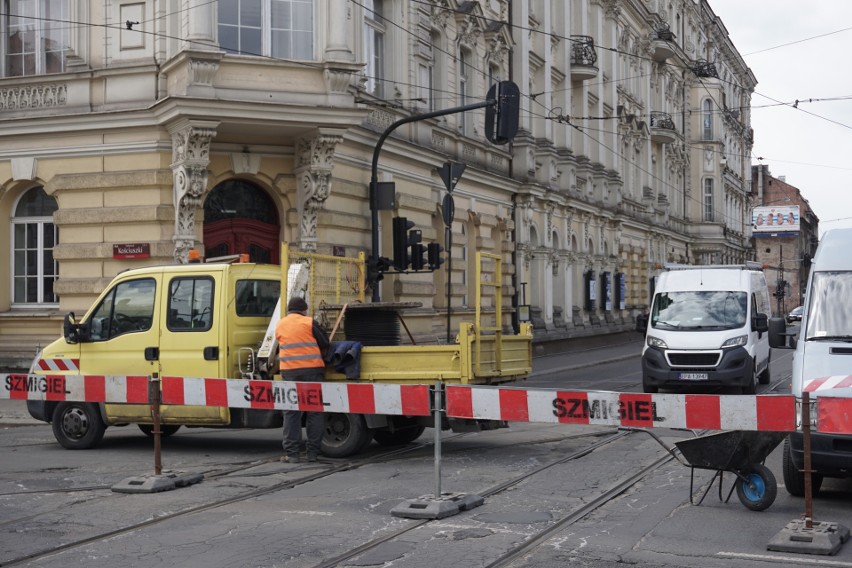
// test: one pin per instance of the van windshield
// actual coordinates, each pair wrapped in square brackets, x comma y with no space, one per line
[829,311]
[703,311]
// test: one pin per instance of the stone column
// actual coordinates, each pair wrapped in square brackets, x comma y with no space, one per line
[200,22]
[314,164]
[190,158]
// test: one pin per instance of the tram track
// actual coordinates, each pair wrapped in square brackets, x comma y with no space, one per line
[328,469]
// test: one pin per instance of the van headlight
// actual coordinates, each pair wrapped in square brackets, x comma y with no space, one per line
[656,342]
[738,341]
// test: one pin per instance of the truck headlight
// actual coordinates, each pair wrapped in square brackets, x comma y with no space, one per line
[736,341]
[656,342]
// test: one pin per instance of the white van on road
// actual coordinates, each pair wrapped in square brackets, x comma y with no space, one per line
[823,349]
[708,328]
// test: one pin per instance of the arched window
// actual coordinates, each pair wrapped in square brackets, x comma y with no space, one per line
[34,271]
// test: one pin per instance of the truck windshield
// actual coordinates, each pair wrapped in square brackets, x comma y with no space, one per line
[829,311]
[704,311]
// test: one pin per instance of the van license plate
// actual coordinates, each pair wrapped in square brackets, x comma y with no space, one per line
[693,376]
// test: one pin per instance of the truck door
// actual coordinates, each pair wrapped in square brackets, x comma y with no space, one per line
[123,338]
[190,339]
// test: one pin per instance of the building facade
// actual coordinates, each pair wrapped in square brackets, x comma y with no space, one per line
[158,127]
[784,254]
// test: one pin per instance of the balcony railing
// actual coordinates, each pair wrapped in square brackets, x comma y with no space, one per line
[705,69]
[662,128]
[583,58]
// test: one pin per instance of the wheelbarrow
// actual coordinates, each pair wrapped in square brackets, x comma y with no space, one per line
[740,452]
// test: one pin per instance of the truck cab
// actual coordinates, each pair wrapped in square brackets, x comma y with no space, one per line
[708,329]
[822,348]
[194,320]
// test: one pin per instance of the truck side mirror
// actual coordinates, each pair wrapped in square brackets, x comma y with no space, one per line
[70,329]
[778,333]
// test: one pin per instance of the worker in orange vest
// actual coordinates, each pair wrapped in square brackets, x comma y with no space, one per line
[301,346]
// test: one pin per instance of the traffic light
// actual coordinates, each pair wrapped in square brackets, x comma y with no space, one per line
[501,119]
[433,255]
[418,256]
[401,240]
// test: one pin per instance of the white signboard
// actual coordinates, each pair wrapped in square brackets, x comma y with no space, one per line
[775,219]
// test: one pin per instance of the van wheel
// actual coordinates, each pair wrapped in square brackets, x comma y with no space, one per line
[345,434]
[751,386]
[166,430]
[78,425]
[794,480]
[764,377]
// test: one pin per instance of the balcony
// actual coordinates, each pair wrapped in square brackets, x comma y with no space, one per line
[583,58]
[662,128]
[704,69]
[662,44]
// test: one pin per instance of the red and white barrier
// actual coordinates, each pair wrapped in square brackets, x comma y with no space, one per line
[714,412]
[834,384]
[359,398]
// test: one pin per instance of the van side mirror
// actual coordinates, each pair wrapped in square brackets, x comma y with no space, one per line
[642,323]
[760,323]
[778,333]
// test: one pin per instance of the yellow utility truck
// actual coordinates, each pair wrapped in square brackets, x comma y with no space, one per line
[216,320]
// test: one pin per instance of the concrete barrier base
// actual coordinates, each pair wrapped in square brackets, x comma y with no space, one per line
[427,507]
[821,538]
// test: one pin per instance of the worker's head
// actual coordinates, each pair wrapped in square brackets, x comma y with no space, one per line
[297,305]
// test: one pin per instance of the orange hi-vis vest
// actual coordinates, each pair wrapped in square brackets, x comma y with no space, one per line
[297,348]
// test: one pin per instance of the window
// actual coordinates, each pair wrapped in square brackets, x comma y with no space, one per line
[282,29]
[190,304]
[34,271]
[37,36]
[127,308]
[708,200]
[257,298]
[707,119]
[463,86]
[374,46]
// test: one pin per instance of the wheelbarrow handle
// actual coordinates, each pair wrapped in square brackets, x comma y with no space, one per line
[673,450]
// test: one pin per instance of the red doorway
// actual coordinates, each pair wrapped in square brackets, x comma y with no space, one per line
[239,217]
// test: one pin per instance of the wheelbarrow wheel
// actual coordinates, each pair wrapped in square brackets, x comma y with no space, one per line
[759,489]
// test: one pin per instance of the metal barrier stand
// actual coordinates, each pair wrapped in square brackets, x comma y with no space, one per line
[438,505]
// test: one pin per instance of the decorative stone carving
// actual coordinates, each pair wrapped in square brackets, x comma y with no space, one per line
[314,163]
[190,158]
[33,96]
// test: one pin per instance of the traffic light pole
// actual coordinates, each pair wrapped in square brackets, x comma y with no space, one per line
[374,181]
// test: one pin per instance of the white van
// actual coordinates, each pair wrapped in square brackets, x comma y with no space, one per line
[823,349]
[708,328]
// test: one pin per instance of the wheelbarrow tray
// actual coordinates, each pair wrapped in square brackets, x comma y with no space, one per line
[729,451]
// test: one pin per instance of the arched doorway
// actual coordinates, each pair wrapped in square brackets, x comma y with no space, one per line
[239,217]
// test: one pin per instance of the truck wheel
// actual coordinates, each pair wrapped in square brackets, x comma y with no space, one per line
[759,489]
[166,430]
[398,437]
[345,434]
[77,425]
[794,480]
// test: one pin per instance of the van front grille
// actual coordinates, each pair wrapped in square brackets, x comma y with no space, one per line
[686,359]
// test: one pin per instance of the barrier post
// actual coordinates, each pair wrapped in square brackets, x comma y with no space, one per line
[804,535]
[440,504]
[436,413]
[157,482]
[154,399]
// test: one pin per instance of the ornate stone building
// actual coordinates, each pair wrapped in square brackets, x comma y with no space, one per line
[230,127]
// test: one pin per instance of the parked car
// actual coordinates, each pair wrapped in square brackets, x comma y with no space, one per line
[795,314]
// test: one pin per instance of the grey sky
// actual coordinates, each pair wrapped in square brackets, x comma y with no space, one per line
[812,144]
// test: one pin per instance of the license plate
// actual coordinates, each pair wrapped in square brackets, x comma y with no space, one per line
[693,376]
